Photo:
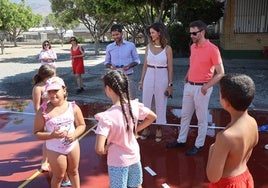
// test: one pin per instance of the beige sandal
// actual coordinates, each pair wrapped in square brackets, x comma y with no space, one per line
[44,167]
[158,135]
[145,134]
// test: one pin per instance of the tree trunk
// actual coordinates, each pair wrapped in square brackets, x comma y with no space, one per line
[2,47]
[97,45]
[61,39]
[14,37]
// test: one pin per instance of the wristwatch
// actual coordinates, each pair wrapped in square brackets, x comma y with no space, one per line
[170,84]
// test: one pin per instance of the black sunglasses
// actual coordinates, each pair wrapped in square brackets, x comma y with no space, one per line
[195,32]
[46,44]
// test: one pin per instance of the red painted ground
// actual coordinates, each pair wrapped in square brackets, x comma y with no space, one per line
[20,152]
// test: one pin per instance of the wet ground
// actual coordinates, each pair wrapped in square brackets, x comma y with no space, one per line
[21,152]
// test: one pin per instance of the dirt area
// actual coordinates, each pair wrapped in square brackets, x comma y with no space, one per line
[20,64]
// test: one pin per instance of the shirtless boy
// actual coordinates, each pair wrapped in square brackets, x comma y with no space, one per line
[228,156]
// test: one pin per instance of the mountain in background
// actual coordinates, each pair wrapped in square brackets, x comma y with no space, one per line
[38,6]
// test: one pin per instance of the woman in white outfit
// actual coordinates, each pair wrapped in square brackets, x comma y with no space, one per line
[157,76]
[47,54]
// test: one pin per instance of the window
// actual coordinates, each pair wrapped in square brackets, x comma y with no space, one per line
[251,16]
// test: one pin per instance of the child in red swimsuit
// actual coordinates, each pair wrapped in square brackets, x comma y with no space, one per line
[228,156]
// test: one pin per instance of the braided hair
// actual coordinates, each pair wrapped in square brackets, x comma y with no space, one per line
[119,83]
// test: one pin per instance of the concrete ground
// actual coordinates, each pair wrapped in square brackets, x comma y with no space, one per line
[20,64]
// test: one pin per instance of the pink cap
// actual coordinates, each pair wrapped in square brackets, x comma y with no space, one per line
[54,83]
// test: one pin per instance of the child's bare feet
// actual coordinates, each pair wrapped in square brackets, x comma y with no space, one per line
[45,166]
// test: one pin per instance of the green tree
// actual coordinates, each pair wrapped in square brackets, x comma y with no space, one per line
[128,18]
[61,24]
[137,15]
[4,15]
[87,12]
[209,11]
[134,15]
[149,11]
[14,19]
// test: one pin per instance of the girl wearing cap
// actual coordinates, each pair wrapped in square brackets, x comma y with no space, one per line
[47,54]
[77,54]
[60,123]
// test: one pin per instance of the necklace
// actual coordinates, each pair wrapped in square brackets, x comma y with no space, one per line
[157,46]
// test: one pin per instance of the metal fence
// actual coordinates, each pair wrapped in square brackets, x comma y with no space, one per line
[251,16]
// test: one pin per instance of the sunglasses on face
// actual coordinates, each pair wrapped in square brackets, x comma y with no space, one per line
[195,32]
[46,44]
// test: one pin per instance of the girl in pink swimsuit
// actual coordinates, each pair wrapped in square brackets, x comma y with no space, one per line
[60,123]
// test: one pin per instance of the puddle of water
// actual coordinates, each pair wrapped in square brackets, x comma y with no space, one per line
[217,117]
[16,118]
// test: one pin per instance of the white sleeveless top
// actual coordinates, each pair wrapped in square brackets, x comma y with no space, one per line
[159,59]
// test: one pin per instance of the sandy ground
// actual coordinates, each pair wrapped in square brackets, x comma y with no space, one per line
[20,64]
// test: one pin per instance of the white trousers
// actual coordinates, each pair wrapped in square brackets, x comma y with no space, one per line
[194,101]
[155,84]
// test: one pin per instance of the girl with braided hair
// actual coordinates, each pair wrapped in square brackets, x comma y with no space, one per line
[117,132]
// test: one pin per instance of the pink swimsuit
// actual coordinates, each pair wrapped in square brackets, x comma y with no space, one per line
[65,122]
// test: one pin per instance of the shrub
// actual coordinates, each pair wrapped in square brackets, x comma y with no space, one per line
[179,40]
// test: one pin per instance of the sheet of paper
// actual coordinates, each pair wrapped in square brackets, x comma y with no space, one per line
[150,171]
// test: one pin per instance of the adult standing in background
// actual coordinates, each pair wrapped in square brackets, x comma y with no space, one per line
[77,56]
[122,55]
[47,54]
[205,60]
[157,76]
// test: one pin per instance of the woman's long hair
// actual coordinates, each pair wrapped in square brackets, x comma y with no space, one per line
[159,27]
